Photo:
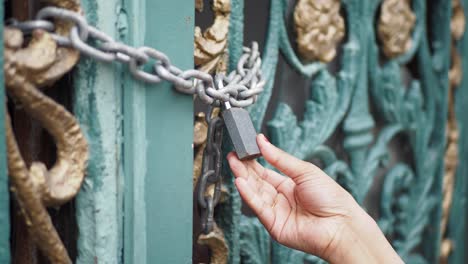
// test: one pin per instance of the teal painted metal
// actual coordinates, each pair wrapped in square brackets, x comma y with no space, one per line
[410,207]
[158,134]
[4,194]
[97,105]
[135,205]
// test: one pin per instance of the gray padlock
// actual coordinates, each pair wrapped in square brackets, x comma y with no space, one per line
[241,131]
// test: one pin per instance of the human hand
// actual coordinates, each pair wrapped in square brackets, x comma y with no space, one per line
[308,210]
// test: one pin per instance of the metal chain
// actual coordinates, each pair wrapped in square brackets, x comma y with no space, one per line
[210,183]
[241,86]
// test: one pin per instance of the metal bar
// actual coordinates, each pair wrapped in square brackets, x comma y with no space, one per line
[158,133]
[4,194]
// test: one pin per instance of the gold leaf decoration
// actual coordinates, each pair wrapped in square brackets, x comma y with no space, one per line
[211,45]
[319,28]
[457,27]
[395,27]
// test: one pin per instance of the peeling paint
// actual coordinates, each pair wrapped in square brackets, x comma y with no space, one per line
[98,108]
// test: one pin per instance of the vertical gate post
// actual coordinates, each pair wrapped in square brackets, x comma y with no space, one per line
[158,134]
[4,195]
[97,105]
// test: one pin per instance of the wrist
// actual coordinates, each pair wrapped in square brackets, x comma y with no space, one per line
[361,241]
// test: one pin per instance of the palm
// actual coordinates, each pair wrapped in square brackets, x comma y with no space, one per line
[308,210]
[293,211]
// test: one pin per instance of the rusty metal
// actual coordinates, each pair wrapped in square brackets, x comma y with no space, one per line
[211,56]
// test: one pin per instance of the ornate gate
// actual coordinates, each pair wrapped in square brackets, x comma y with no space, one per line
[371,90]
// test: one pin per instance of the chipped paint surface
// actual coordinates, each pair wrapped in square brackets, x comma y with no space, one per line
[138,195]
[98,108]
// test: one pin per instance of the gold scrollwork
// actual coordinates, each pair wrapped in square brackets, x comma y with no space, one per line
[319,27]
[395,27]
[457,27]
[27,69]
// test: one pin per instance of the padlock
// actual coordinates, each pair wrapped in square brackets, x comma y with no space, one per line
[241,130]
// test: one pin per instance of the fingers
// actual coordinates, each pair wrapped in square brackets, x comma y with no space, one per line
[272,215]
[263,210]
[242,168]
[266,183]
[286,163]
[250,170]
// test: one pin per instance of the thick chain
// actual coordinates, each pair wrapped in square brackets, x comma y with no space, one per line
[241,86]
[210,183]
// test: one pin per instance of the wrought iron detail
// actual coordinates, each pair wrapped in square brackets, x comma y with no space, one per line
[457,27]
[26,70]
[361,88]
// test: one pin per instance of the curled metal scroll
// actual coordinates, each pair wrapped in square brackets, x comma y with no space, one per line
[28,68]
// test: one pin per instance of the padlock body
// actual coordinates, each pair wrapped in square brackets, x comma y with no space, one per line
[242,133]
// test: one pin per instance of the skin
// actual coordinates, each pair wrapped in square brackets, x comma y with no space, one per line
[307,210]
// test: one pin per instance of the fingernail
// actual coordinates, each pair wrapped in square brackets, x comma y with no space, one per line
[265,138]
[230,154]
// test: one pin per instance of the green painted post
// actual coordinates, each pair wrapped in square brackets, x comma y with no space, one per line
[4,195]
[158,134]
[97,105]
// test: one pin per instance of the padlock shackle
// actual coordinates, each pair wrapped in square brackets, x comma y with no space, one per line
[220,85]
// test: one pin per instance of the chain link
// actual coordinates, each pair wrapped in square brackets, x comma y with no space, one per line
[241,86]
[211,172]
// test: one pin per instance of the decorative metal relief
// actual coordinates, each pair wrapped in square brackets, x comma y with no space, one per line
[319,28]
[211,45]
[396,25]
[457,27]
[369,102]
[27,68]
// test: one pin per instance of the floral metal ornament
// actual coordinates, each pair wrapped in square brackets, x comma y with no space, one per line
[395,26]
[457,28]
[211,45]
[319,27]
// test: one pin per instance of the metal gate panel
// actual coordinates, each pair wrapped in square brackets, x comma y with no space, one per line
[371,103]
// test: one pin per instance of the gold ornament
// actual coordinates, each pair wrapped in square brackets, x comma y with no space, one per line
[395,27]
[319,28]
